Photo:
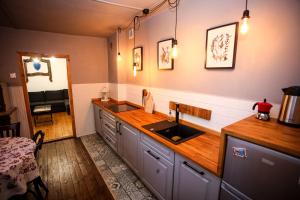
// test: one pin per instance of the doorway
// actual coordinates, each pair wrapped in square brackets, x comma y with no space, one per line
[48,97]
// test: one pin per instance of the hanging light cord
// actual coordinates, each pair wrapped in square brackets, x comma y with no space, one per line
[176,21]
[246,4]
[119,30]
[136,20]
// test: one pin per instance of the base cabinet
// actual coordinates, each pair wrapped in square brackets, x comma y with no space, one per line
[191,182]
[168,175]
[157,173]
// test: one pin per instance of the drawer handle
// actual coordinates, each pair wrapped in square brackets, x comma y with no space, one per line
[118,124]
[193,168]
[151,154]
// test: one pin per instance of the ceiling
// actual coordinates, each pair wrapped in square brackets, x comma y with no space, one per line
[77,17]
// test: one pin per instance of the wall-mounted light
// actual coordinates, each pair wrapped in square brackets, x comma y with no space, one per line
[119,58]
[52,58]
[36,60]
[245,20]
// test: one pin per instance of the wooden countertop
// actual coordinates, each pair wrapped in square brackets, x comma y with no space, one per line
[208,150]
[203,150]
[269,134]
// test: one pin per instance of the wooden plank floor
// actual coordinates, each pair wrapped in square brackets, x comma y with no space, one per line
[69,172]
[61,127]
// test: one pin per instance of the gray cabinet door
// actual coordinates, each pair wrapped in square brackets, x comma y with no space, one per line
[98,120]
[129,137]
[157,173]
[191,182]
[130,140]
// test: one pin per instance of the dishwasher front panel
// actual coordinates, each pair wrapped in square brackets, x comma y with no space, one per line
[261,173]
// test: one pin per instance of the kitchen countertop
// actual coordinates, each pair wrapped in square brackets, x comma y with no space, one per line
[208,150]
[203,150]
[269,134]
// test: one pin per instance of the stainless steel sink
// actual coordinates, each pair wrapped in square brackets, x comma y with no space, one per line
[173,132]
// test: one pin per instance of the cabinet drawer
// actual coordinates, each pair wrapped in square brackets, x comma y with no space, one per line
[109,125]
[109,116]
[159,148]
[109,132]
[110,141]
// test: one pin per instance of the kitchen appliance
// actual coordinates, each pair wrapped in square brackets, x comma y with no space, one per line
[121,107]
[290,107]
[255,172]
[263,110]
[172,131]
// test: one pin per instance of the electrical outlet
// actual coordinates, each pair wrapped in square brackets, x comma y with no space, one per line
[13,75]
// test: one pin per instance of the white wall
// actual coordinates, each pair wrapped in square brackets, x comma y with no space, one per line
[17,100]
[225,110]
[83,108]
[42,83]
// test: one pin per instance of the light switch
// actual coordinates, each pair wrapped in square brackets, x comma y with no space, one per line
[12,75]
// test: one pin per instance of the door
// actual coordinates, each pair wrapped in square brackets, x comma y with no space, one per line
[260,173]
[130,139]
[191,182]
[157,173]
[98,120]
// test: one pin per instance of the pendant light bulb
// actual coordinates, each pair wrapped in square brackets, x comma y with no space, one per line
[174,49]
[245,26]
[119,58]
[245,20]
[134,70]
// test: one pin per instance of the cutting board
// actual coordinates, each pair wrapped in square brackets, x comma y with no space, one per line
[149,103]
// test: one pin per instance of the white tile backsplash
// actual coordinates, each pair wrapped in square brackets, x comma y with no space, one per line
[225,110]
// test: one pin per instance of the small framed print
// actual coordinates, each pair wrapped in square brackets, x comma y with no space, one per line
[137,55]
[221,45]
[164,54]
[42,68]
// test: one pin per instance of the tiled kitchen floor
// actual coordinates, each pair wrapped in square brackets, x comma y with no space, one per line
[121,181]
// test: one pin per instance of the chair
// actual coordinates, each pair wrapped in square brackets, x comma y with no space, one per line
[12,130]
[38,138]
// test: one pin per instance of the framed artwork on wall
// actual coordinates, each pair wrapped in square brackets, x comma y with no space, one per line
[37,68]
[137,55]
[221,45]
[164,54]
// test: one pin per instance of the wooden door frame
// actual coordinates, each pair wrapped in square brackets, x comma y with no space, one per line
[25,91]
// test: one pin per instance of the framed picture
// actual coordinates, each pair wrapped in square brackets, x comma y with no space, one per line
[221,44]
[42,68]
[137,55]
[164,54]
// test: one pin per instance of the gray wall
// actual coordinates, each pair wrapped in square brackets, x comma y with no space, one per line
[267,57]
[88,55]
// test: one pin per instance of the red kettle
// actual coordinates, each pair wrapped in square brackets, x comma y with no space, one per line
[263,110]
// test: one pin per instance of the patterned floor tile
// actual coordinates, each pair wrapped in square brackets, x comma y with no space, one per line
[121,181]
